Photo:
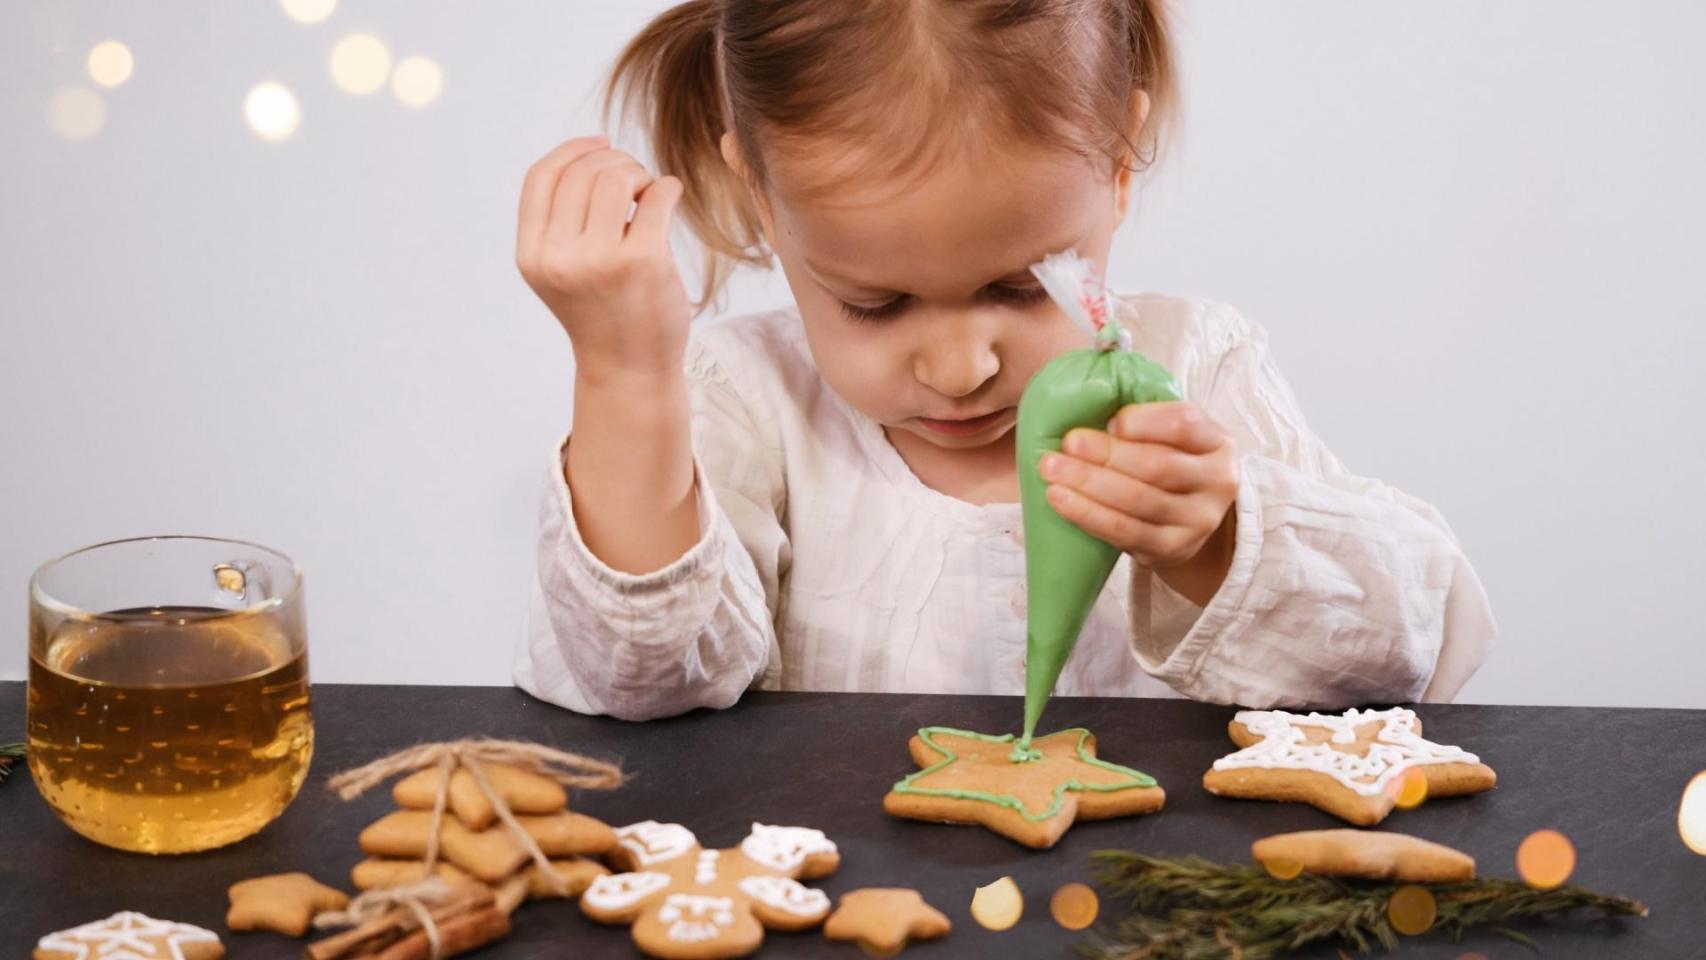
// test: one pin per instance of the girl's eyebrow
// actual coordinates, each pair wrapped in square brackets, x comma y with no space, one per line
[1021,273]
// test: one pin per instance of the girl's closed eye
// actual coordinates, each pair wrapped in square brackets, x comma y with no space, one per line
[995,292]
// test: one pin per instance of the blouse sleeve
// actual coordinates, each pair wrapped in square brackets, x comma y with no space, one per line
[1342,590]
[696,633]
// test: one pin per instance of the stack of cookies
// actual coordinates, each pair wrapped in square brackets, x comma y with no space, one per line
[474,844]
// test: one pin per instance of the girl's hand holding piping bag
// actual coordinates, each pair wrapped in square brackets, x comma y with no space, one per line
[1158,484]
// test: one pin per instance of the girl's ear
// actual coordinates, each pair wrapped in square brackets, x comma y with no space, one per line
[743,173]
[1128,161]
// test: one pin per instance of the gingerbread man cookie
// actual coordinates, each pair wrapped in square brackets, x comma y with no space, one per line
[131,936]
[689,903]
[1344,764]
[975,778]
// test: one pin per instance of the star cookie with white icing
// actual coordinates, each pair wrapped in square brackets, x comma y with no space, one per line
[689,903]
[1346,764]
[130,936]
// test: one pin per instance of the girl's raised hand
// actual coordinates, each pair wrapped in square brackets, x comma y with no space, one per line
[612,282]
[1158,484]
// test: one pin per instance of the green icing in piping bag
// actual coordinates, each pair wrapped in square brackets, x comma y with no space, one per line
[1065,568]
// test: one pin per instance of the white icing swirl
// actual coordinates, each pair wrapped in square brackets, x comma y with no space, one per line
[622,891]
[1395,748]
[692,918]
[789,896]
[784,848]
[652,842]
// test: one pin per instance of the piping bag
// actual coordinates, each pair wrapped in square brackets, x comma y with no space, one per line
[1065,568]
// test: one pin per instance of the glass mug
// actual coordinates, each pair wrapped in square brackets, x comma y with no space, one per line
[168,693]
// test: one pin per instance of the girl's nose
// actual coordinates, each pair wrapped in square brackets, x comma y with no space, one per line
[956,364]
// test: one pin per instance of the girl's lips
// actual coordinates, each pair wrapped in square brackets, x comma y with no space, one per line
[965,428]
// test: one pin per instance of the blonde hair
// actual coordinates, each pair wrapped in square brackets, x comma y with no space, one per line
[1055,72]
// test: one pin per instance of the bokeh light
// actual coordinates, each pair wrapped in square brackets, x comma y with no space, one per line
[308,11]
[1412,910]
[1281,868]
[110,63]
[417,81]
[76,113]
[999,905]
[360,64]
[1545,859]
[272,111]
[1074,906]
[1691,816]
[1408,789]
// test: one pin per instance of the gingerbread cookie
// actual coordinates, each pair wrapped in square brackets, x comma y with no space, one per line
[1344,764]
[283,903]
[689,903]
[130,936]
[375,872]
[1364,853]
[883,920]
[974,778]
[576,875]
[524,791]
[491,854]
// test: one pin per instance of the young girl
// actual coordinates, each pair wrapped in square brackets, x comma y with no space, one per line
[823,497]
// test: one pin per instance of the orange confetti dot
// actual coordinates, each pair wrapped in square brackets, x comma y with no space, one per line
[1282,869]
[1545,859]
[1412,910]
[1408,789]
[1074,906]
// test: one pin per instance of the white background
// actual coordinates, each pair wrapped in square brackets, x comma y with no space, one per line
[1475,232]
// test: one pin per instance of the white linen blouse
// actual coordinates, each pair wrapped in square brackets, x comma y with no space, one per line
[824,563]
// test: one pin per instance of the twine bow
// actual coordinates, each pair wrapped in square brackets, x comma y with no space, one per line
[568,769]
[373,904]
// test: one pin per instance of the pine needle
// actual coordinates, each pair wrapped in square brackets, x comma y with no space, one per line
[9,752]
[1189,908]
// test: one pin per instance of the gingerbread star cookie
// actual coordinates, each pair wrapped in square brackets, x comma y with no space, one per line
[283,903]
[523,790]
[1345,764]
[883,920]
[689,903]
[975,778]
[130,936]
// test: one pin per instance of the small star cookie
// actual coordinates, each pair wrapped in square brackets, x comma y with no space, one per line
[972,778]
[689,903]
[283,903]
[1345,764]
[130,936]
[883,920]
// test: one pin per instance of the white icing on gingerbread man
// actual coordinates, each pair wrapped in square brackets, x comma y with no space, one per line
[1395,748]
[687,901]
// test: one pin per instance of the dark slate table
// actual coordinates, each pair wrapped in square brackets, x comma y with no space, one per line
[1609,779]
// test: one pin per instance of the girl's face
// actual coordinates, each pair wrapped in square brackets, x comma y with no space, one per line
[915,294]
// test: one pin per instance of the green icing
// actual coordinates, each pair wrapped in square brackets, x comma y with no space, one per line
[1135,778]
[1065,567]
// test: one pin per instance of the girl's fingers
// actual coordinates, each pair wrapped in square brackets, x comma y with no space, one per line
[1178,425]
[1156,464]
[540,185]
[651,219]
[1156,542]
[613,192]
[1119,491]
[574,194]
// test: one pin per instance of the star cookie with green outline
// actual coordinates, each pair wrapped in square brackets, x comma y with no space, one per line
[971,778]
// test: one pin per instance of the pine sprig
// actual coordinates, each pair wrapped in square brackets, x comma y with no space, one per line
[9,753]
[1189,908]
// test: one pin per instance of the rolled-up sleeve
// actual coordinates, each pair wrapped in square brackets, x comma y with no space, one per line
[701,630]
[1342,590]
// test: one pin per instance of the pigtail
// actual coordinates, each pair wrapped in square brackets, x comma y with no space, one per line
[1154,70]
[669,79]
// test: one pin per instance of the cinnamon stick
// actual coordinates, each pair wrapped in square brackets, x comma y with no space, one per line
[381,932]
[456,935]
